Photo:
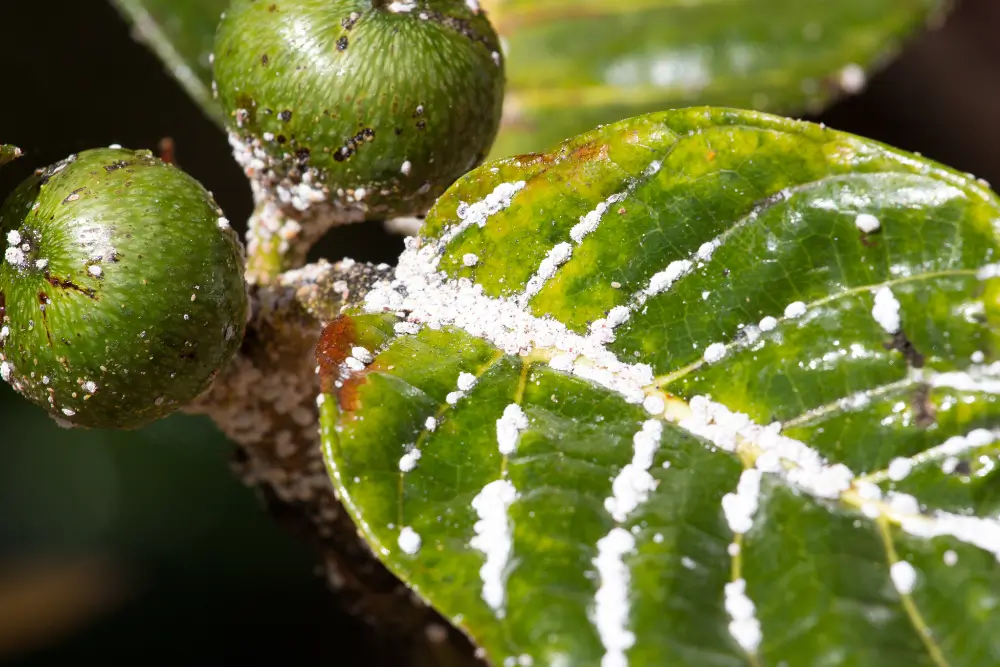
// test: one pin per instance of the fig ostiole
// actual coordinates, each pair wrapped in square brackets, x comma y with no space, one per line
[364,109]
[121,289]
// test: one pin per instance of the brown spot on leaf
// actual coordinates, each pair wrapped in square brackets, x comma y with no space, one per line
[332,350]
[924,410]
[903,345]
[68,284]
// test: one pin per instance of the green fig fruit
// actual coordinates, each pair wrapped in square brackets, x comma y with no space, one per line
[374,107]
[121,289]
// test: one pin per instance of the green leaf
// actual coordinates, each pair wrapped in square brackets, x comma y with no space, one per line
[572,64]
[9,153]
[666,413]
[181,34]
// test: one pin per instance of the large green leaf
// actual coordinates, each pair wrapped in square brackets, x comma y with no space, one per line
[181,34]
[573,64]
[704,387]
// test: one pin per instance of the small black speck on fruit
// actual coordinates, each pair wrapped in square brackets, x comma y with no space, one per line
[121,289]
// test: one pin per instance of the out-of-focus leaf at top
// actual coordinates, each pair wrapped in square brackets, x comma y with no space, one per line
[704,388]
[573,64]
[180,33]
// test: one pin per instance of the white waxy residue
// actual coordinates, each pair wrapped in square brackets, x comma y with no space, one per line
[793,460]
[767,324]
[984,379]
[408,461]
[867,223]
[409,540]
[555,258]
[611,604]
[852,78]
[509,428]
[714,352]
[661,282]
[633,484]
[654,404]
[795,309]
[494,538]
[886,310]
[479,212]
[904,577]
[740,507]
[466,381]
[743,626]
[899,469]
[362,354]
[470,259]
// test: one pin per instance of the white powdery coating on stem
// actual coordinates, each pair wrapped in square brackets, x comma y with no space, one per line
[904,577]
[611,608]
[740,507]
[867,223]
[402,7]
[409,540]
[494,538]
[6,370]
[479,212]
[633,484]
[744,626]
[509,428]
[886,310]
[555,258]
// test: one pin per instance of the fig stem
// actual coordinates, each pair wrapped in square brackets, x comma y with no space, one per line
[265,402]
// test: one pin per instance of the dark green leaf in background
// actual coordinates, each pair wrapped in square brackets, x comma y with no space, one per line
[181,34]
[705,388]
[573,64]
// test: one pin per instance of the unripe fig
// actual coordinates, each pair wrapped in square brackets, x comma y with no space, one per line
[121,289]
[373,106]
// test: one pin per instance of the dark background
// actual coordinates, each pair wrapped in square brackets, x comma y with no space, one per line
[124,546]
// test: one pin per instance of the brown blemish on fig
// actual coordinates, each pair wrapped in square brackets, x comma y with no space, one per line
[66,283]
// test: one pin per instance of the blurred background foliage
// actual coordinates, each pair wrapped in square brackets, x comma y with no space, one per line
[142,545]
